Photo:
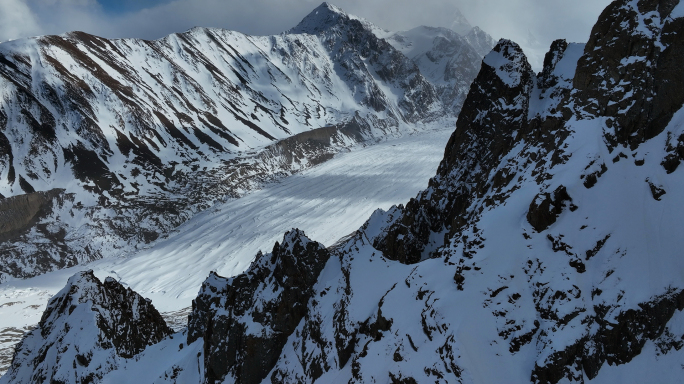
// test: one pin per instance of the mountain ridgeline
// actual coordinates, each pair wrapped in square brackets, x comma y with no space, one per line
[546,249]
[140,135]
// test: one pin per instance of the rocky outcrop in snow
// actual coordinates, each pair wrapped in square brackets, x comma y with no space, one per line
[84,331]
[631,71]
[246,320]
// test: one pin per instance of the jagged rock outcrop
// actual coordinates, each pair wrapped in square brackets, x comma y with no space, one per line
[614,342]
[84,331]
[547,78]
[546,207]
[493,120]
[631,70]
[246,320]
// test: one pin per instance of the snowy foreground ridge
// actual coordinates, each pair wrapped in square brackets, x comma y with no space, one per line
[546,249]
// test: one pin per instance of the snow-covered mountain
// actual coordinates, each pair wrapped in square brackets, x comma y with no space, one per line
[115,142]
[448,60]
[546,248]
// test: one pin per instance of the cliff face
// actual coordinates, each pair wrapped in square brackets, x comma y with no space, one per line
[634,85]
[245,321]
[493,120]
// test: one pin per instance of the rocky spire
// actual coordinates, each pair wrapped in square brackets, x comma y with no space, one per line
[85,330]
[246,320]
[502,89]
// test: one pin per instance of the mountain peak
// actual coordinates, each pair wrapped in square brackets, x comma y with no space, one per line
[85,329]
[508,60]
[321,18]
[330,7]
[460,24]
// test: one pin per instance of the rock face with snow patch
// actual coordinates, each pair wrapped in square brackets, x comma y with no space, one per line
[85,329]
[493,120]
[246,320]
[635,85]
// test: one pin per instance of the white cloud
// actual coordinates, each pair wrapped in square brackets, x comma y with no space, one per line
[17,20]
[534,24]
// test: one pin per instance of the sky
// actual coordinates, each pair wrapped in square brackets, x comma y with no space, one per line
[533,24]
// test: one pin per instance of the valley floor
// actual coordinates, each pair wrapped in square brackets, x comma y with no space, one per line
[334,198]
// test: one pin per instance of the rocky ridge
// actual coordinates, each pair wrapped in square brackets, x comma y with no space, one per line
[246,320]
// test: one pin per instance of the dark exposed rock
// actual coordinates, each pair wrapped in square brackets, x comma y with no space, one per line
[88,167]
[599,244]
[474,149]
[591,179]
[656,191]
[614,342]
[545,208]
[546,78]
[87,319]
[18,213]
[675,154]
[246,320]
[399,379]
[633,44]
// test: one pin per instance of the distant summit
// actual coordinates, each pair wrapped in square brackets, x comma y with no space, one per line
[321,18]
[460,25]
